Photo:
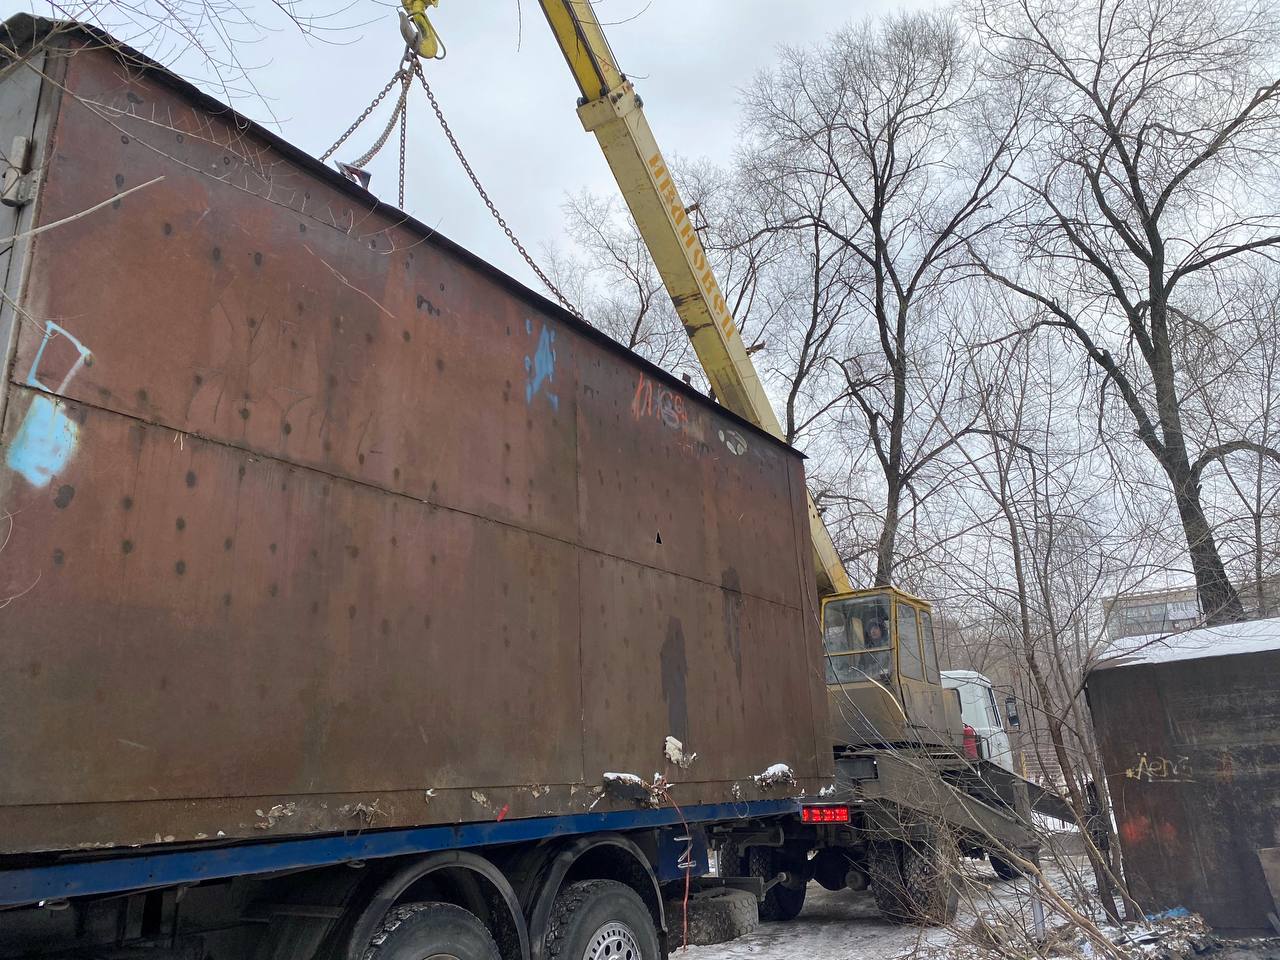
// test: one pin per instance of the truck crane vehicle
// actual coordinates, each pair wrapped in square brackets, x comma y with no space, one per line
[897,732]
[350,595]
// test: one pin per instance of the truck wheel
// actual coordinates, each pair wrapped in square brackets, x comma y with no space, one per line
[785,900]
[432,931]
[729,861]
[914,881]
[1003,868]
[884,868]
[600,920]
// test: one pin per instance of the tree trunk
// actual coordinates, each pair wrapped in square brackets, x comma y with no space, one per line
[888,534]
[1219,600]
[1260,593]
[893,473]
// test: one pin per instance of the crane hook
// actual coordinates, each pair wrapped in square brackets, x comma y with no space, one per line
[417,30]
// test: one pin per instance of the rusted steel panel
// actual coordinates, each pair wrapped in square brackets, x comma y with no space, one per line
[1191,750]
[260,307]
[723,681]
[317,522]
[715,498]
[218,602]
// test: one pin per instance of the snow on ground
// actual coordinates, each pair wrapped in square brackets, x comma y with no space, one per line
[833,926]
[846,926]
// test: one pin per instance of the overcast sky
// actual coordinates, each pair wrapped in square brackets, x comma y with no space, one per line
[510,98]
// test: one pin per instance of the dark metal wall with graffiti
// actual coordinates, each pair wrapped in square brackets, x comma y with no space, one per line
[1192,754]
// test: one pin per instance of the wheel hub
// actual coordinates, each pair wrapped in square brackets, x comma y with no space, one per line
[613,941]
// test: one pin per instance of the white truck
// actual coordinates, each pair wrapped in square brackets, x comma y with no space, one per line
[979,710]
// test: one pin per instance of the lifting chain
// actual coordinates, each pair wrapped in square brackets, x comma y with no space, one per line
[411,66]
[484,195]
[398,77]
[403,76]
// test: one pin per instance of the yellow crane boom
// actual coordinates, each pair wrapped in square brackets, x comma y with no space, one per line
[612,110]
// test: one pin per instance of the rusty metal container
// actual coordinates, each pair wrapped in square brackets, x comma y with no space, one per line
[1189,730]
[313,521]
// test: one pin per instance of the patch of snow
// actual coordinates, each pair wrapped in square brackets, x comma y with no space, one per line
[847,926]
[628,786]
[1046,824]
[1252,636]
[777,775]
[673,750]
[833,926]
[630,779]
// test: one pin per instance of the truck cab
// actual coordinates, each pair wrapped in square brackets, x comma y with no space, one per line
[883,682]
[978,708]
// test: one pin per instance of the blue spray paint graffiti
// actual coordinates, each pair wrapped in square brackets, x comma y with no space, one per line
[44,443]
[47,437]
[541,367]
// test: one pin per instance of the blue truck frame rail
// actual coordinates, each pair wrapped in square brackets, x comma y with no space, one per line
[135,870]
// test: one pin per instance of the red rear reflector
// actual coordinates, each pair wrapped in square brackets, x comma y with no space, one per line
[824,814]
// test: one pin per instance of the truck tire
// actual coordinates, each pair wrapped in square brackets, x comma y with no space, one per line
[600,920]
[1003,868]
[784,900]
[914,881]
[885,873]
[427,931]
[716,915]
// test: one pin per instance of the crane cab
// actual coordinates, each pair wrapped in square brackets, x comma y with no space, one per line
[883,683]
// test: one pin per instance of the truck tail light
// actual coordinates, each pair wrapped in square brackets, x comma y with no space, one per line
[824,814]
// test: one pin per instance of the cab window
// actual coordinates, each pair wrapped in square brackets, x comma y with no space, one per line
[909,663]
[855,637]
[930,650]
[993,712]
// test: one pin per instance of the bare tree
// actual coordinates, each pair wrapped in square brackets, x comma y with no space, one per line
[1043,561]
[1242,362]
[815,298]
[214,43]
[869,139]
[619,288]
[789,291]
[625,296]
[1151,165]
